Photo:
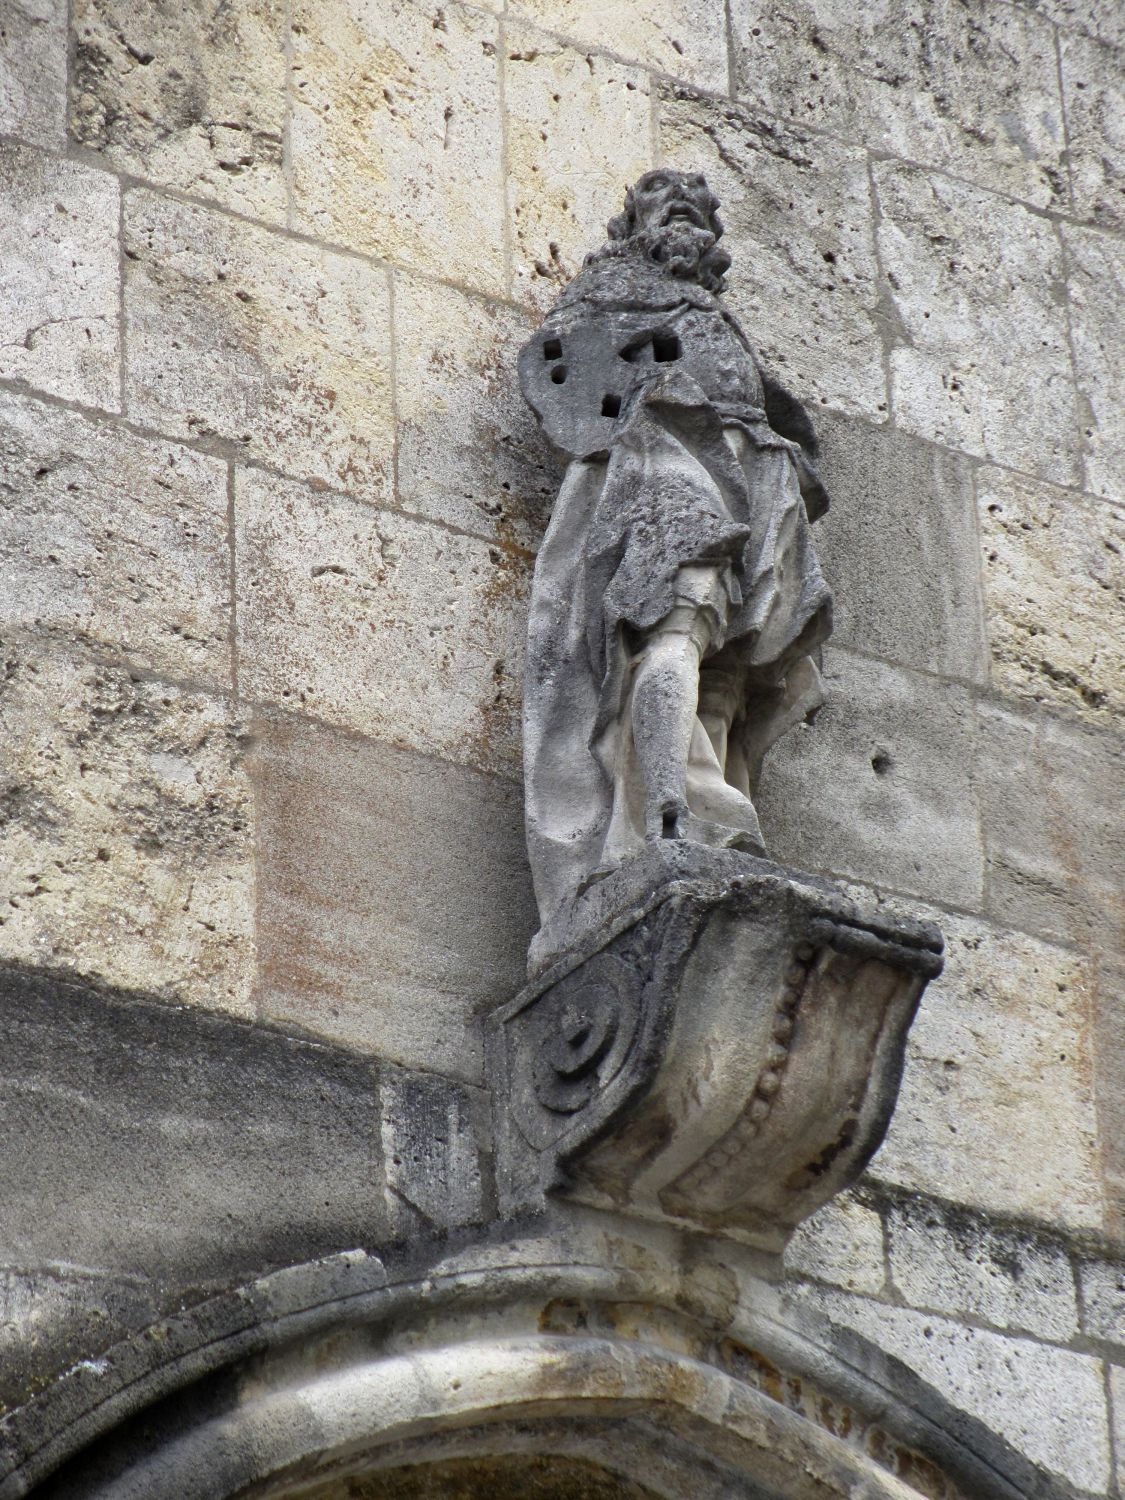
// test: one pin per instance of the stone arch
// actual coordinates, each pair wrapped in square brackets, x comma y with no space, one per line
[351,1374]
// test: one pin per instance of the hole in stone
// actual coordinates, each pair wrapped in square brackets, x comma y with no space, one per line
[611,406]
[558,374]
[552,349]
[665,348]
[881,762]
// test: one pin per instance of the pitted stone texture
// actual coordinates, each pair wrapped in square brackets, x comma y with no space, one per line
[880,787]
[1102,1283]
[1117,1416]
[798,216]
[947,1260]
[377,926]
[127,828]
[114,541]
[981,354]
[1054,828]
[1048,1403]
[1094,89]
[398,629]
[967,86]
[33,71]
[396,134]
[679,37]
[59,277]
[841,1244]
[997,1108]
[469,451]
[899,547]
[1097,293]
[242,334]
[579,133]
[190,96]
[435,1134]
[1094,17]
[1054,571]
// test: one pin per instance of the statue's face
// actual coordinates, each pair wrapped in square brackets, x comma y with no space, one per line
[664,198]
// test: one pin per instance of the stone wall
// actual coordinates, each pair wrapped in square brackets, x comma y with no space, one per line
[271,502]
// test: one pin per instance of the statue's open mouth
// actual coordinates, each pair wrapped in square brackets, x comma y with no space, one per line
[685,211]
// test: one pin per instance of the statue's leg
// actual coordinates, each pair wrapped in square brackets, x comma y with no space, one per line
[665,701]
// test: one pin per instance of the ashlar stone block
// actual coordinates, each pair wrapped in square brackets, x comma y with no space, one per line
[947,1260]
[189,96]
[842,1244]
[967,86]
[435,1135]
[1096,264]
[880,787]
[59,277]
[114,541]
[797,211]
[1054,570]
[579,132]
[981,350]
[469,450]
[1048,1403]
[899,546]
[275,347]
[396,134]
[997,1108]
[1094,90]
[394,897]
[1117,1402]
[386,625]
[674,36]
[1054,828]
[1102,1284]
[33,71]
[128,830]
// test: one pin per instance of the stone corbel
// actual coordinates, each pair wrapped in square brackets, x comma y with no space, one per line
[711,1040]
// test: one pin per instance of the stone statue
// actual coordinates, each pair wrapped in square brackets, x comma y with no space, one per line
[677,598]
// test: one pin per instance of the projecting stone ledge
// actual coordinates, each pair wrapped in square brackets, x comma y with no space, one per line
[709,1039]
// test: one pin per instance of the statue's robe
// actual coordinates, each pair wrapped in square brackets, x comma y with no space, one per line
[692,474]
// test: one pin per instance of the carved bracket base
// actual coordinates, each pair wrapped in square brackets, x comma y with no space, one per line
[716,1041]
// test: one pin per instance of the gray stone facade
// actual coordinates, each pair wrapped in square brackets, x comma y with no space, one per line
[271,504]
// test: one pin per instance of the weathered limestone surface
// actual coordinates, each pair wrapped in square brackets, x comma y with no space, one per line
[1054,572]
[980,355]
[394,901]
[189,96]
[475,462]
[396,134]
[127,829]
[1102,1285]
[181,1146]
[674,36]
[798,213]
[899,545]
[1049,1403]
[59,278]
[946,1260]
[578,133]
[403,631]
[1093,17]
[997,1106]
[114,541]
[33,71]
[1094,89]
[1054,828]
[277,347]
[1096,264]
[982,102]
[841,1244]
[881,786]
[1117,1400]
[435,1133]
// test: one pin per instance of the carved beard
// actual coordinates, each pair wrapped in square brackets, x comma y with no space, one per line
[687,251]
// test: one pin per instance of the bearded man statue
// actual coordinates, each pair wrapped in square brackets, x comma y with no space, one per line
[677,599]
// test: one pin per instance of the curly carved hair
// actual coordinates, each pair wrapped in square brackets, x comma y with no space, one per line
[704,263]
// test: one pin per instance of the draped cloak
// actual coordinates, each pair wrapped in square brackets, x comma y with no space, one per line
[691,474]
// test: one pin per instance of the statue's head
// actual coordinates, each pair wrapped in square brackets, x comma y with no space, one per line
[673,218]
